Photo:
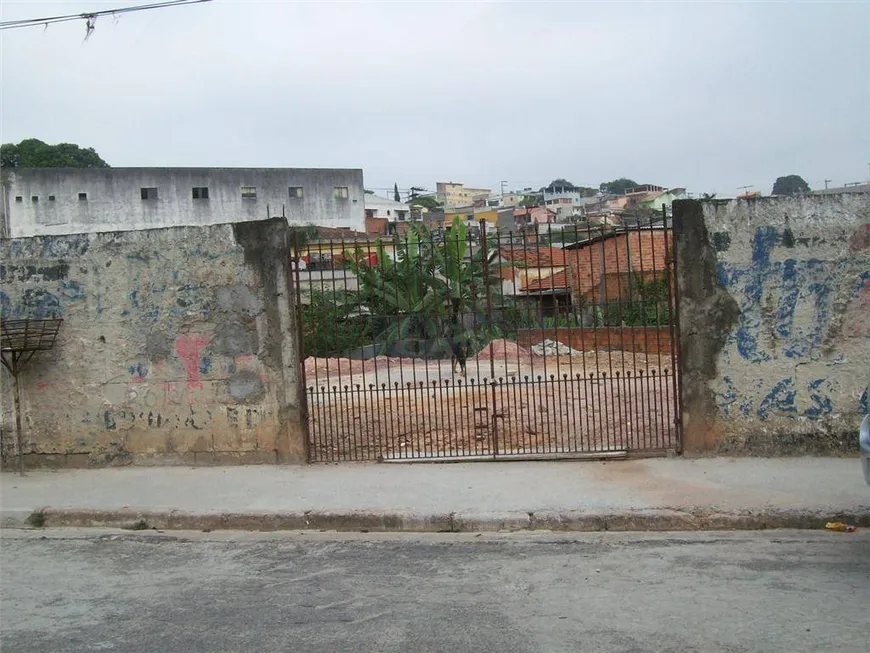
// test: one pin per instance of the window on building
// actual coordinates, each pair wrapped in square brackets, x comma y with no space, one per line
[295,192]
[249,192]
[83,197]
[34,198]
[200,192]
[19,199]
[148,193]
[51,198]
[340,193]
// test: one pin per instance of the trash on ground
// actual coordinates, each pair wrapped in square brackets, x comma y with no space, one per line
[840,526]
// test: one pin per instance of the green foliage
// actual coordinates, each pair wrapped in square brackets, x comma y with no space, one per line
[617,186]
[648,305]
[33,153]
[564,184]
[790,185]
[426,201]
[301,236]
[423,294]
[332,324]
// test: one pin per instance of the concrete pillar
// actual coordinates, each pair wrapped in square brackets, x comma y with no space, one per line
[267,249]
[707,315]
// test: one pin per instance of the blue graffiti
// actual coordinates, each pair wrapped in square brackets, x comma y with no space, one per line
[797,281]
[728,397]
[38,304]
[820,292]
[863,403]
[5,305]
[823,404]
[138,369]
[762,245]
[205,365]
[72,291]
[780,399]
[785,311]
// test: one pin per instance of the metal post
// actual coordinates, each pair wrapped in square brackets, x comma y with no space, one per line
[674,315]
[16,397]
[487,285]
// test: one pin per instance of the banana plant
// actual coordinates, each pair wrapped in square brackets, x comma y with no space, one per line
[424,293]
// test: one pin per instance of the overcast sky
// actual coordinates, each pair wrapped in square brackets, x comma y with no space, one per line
[710,96]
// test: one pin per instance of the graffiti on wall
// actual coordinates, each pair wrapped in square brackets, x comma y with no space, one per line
[791,309]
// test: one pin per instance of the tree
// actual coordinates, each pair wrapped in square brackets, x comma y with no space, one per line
[33,153]
[425,201]
[563,185]
[396,195]
[790,185]
[301,236]
[617,186]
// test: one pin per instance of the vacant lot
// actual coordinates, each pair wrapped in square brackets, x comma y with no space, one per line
[509,402]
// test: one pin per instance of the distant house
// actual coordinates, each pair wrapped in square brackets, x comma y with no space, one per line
[605,267]
[535,273]
[381,207]
[542,215]
[453,194]
[664,199]
[852,189]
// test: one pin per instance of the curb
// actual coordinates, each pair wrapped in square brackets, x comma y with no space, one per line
[406,522]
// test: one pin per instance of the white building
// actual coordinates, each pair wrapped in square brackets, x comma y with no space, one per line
[52,201]
[381,207]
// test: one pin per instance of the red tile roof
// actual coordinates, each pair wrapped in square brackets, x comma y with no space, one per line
[558,281]
[534,257]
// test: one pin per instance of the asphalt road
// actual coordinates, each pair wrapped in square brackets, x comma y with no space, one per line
[213,592]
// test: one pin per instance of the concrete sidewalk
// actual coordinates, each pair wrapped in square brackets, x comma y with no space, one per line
[654,494]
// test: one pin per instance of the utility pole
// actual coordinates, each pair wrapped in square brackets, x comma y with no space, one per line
[502,184]
[827,181]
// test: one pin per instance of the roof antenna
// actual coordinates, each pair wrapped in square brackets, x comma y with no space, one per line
[90,24]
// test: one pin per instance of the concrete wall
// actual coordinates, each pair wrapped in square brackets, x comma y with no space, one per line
[775,321]
[114,201]
[178,346]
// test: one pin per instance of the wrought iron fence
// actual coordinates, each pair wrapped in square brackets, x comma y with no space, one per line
[477,343]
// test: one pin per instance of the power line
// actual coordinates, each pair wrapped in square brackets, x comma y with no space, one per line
[90,17]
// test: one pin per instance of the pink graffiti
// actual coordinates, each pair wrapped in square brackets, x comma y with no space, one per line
[855,323]
[188,349]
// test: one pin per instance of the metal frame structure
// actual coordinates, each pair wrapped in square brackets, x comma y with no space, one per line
[21,339]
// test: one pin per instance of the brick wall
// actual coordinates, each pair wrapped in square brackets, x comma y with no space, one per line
[614,258]
[647,340]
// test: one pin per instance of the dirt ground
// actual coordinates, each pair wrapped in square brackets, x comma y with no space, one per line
[508,402]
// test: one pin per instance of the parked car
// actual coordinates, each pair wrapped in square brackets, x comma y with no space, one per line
[864,444]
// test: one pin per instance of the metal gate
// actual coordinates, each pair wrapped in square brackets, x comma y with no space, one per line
[461,341]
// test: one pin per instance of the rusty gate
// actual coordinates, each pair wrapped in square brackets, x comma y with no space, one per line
[462,341]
